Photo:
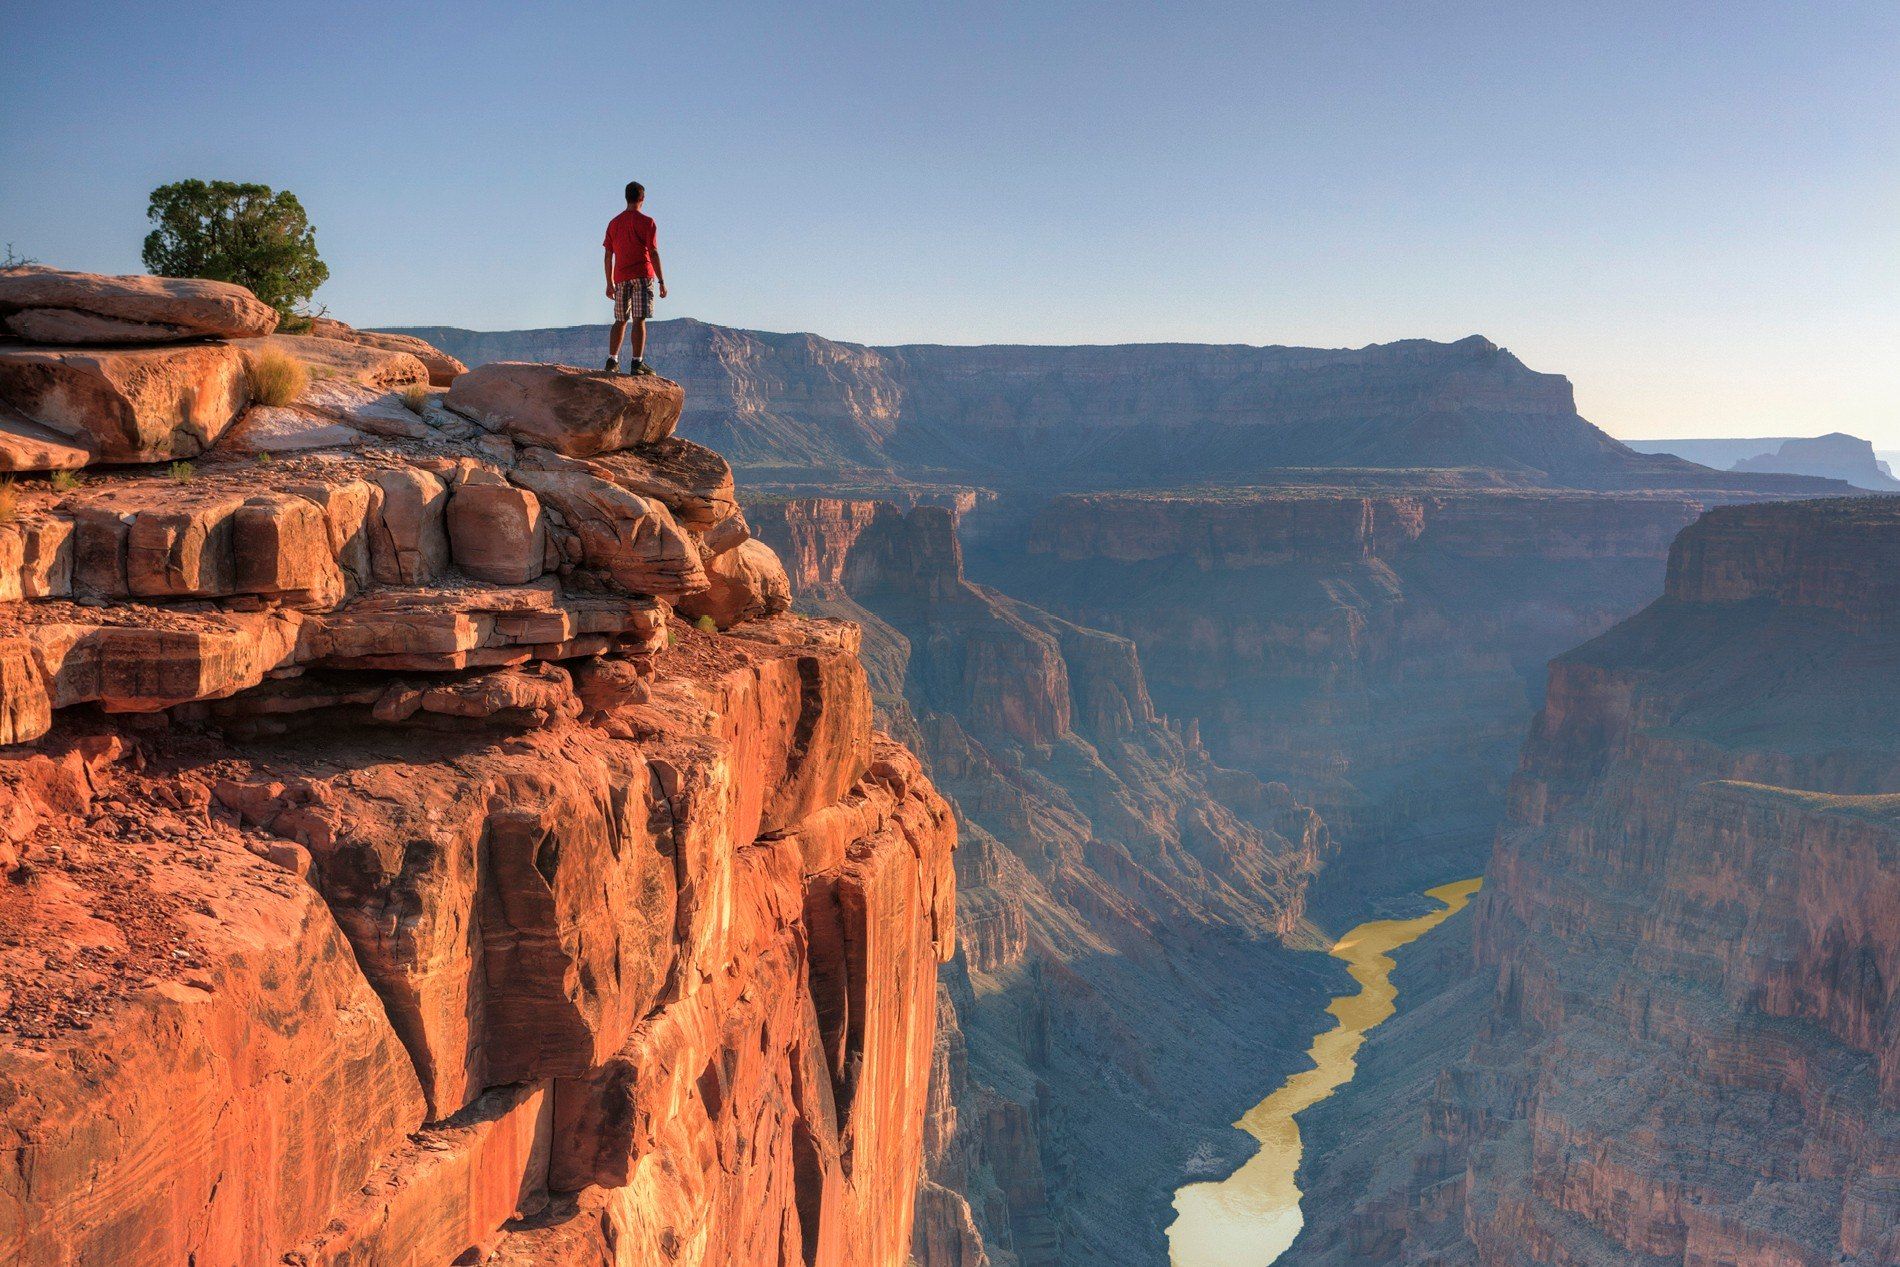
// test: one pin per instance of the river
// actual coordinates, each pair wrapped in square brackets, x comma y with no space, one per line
[1249,1218]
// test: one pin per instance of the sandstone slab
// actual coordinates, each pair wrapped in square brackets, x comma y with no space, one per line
[442,367]
[50,305]
[139,404]
[575,412]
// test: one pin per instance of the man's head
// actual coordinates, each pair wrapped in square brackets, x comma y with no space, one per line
[636,193]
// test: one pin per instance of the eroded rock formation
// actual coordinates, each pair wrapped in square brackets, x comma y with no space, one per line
[388,874]
[1687,1037]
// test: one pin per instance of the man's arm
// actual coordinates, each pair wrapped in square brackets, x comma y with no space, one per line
[608,264]
[659,273]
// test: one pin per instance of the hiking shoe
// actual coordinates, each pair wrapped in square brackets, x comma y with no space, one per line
[613,364]
[642,368]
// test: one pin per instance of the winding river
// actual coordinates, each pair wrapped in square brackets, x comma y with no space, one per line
[1249,1218]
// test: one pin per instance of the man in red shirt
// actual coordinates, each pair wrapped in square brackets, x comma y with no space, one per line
[633,268]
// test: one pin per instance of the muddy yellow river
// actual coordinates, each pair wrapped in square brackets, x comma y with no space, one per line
[1249,1218]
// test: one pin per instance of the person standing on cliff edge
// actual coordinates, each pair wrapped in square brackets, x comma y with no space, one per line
[633,269]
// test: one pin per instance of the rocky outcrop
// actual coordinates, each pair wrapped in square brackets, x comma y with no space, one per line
[391,875]
[1684,1009]
[49,305]
[1107,862]
[443,368]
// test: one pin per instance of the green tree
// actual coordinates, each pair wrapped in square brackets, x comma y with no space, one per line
[231,232]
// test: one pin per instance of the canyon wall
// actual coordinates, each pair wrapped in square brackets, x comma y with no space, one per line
[1687,1040]
[425,836]
[1378,650]
[1110,872]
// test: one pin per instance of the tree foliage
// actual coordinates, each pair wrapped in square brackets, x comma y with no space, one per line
[231,232]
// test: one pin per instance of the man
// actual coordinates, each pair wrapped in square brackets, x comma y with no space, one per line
[633,268]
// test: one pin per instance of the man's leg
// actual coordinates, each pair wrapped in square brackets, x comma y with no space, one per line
[637,345]
[614,335]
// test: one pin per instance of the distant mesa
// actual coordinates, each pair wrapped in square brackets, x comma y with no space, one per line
[1836,456]
[801,409]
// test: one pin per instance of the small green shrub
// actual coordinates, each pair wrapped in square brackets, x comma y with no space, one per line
[706,624]
[182,472]
[276,378]
[265,459]
[67,481]
[415,398]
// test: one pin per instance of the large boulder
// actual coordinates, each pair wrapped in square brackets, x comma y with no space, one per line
[497,532]
[747,583]
[630,541]
[50,305]
[145,404]
[442,367]
[575,412]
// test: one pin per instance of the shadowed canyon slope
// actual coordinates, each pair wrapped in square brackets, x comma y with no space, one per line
[1681,1043]
[1113,883]
[425,836]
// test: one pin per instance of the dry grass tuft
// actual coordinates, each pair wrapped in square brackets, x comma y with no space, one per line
[277,378]
[415,398]
[67,481]
[182,472]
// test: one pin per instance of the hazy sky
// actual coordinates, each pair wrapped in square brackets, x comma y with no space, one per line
[1693,210]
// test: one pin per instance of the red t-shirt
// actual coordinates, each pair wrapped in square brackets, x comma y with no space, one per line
[630,238]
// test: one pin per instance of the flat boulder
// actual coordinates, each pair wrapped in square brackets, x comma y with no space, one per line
[50,305]
[442,367]
[578,413]
[131,404]
[337,361]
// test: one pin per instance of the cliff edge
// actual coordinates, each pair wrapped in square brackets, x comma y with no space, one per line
[425,834]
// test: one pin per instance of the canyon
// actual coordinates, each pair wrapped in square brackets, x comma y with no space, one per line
[862,805]
[1338,575]
[1680,1040]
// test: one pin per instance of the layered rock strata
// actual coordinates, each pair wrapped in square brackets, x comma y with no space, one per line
[412,853]
[1687,1039]
[1377,649]
[1108,864]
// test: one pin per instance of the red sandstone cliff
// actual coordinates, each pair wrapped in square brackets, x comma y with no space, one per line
[425,835]
[1110,872]
[1687,1033]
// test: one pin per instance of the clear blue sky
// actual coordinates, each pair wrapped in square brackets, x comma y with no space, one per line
[1692,209]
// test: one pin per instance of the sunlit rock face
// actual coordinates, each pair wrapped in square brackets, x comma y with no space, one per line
[1106,861]
[425,837]
[1684,999]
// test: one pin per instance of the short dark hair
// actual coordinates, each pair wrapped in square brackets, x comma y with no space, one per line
[635,191]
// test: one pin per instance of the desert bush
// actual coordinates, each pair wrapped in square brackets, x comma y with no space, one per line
[250,234]
[67,481]
[276,378]
[416,398]
[182,472]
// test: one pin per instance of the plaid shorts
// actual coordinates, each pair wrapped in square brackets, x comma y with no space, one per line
[633,301]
